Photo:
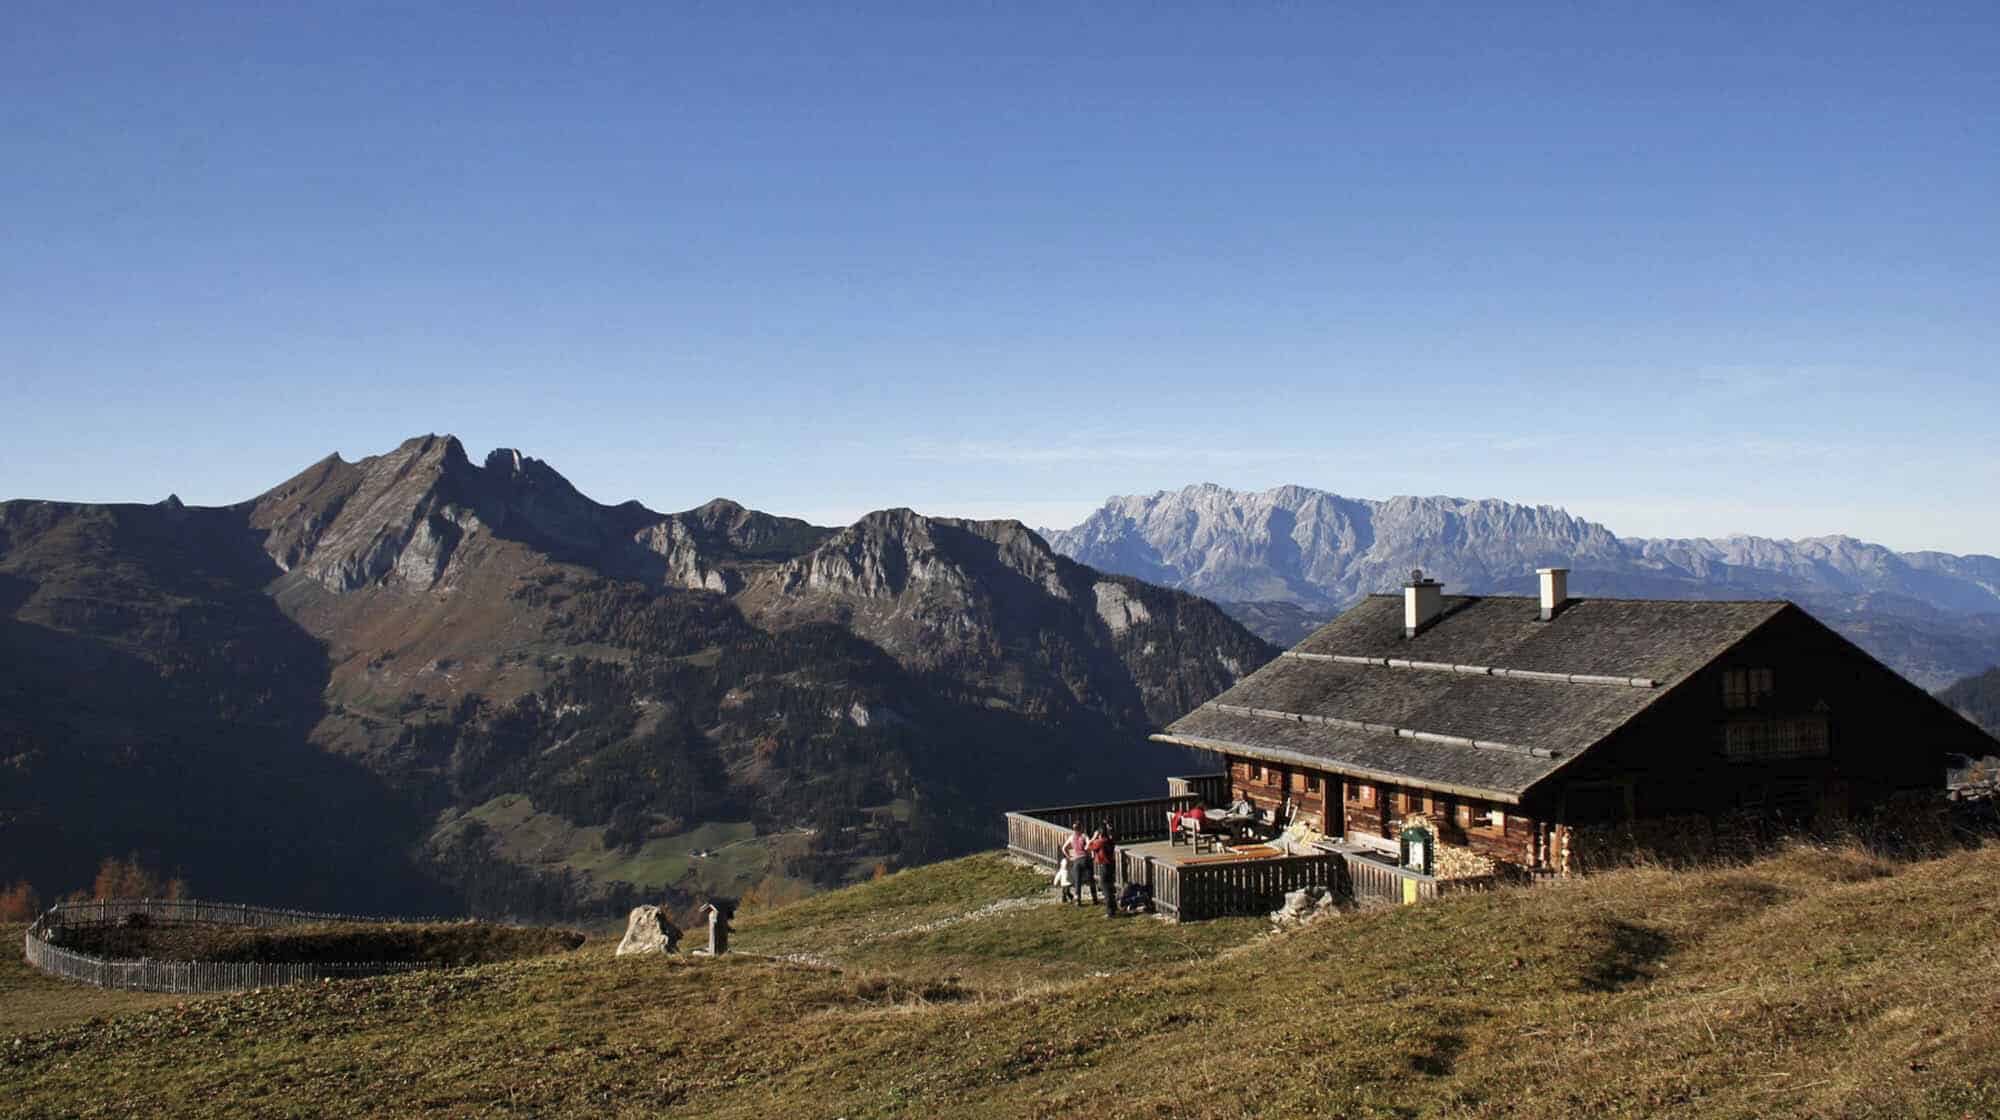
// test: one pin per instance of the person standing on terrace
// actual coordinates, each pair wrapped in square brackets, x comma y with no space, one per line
[1104,853]
[1076,851]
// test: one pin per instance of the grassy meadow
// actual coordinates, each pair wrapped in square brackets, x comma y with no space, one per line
[1818,982]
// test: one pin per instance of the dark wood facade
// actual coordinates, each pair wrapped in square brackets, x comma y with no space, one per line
[1793,720]
[1356,809]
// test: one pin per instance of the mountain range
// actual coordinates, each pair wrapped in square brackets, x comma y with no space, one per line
[1285,559]
[417,682]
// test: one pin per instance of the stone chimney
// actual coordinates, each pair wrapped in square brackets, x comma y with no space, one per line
[1555,591]
[1423,601]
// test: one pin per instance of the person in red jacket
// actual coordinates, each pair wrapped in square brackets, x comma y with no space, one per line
[1104,853]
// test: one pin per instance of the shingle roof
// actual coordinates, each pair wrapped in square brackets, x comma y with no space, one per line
[1486,701]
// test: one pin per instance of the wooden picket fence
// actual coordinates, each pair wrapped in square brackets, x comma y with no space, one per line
[42,947]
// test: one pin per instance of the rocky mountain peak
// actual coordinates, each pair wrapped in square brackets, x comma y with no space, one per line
[891,553]
[504,460]
[405,518]
[1318,551]
[432,451]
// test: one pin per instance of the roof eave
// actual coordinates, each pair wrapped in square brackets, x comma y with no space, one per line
[1220,746]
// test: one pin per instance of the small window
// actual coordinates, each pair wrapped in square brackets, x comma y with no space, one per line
[1312,783]
[1746,688]
[1363,793]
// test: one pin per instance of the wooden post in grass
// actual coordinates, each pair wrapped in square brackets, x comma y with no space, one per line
[718,927]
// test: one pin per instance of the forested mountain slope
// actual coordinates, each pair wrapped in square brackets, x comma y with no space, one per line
[414,680]
[1978,697]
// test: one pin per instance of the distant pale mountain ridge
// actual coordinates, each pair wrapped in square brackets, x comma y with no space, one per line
[1932,615]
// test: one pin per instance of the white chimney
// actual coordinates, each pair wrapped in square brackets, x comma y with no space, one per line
[1555,590]
[1423,601]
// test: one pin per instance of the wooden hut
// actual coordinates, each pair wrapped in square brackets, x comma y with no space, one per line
[1510,722]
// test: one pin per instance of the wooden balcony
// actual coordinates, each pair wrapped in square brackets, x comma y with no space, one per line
[1191,886]
[1186,886]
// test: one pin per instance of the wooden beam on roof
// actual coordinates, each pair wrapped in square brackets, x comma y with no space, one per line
[1474,670]
[1334,766]
[1380,728]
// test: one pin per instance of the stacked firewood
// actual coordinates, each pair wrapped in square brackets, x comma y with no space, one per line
[1450,862]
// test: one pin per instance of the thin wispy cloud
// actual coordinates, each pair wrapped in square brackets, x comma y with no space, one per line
[1092,451]
[1749,381]
[1516,444]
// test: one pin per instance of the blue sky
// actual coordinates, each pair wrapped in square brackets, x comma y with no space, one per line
[1684,269]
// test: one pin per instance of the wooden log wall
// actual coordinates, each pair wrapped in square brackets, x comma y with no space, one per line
[1352,807]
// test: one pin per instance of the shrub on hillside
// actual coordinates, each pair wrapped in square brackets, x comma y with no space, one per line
[20,903]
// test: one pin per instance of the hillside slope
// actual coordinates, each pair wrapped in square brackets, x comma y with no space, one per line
[1978,697]
[417,682]
[1811,983]
[1932,616]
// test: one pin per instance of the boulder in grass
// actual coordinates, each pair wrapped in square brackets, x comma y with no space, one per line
[1303,905]
[649,930]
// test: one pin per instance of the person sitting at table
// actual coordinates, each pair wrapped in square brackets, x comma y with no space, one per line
[1186,821]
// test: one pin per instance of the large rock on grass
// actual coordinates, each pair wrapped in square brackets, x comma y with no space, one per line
[647,930]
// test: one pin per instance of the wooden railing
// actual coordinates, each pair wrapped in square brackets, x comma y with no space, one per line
[1253,886]
[43,949]
[1039,833]
[1213,789]
[1034,838]
[1371,878]
[1193,892]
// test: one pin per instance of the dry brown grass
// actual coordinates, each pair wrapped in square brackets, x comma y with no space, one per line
[1819,982]
[31,1000]
[439,943]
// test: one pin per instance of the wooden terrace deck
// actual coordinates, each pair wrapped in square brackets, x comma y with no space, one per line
[1190,886]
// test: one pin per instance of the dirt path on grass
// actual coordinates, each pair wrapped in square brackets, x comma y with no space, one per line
[990,910]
